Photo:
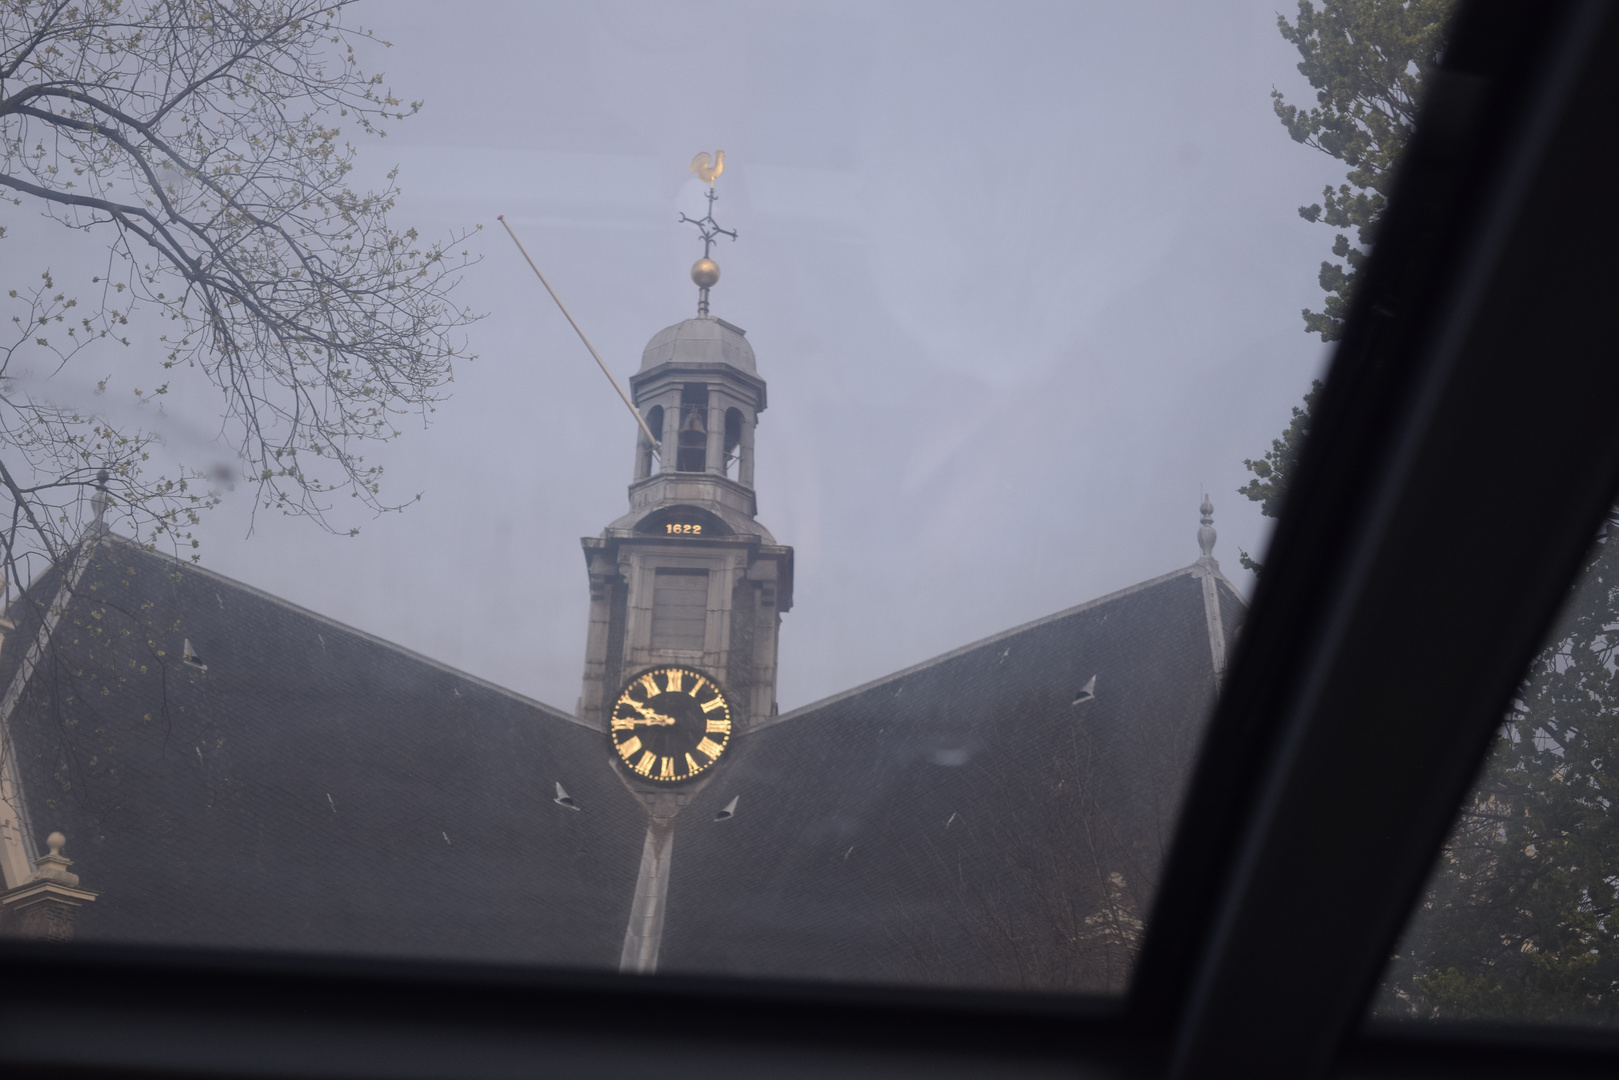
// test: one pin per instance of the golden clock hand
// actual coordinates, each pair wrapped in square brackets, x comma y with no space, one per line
[648,716]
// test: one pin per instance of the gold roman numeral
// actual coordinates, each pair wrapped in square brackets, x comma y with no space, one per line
[666,767]
[644,766]
[650,684]
[698,685]
[673,676]
[624,723]
[710,747]
[629,747]
[722,725]
[691,764]
[715,702]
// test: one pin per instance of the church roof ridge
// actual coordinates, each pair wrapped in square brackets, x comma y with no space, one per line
[1196,570]
[342,627]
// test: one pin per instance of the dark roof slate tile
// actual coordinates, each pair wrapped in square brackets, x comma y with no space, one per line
[978,819]
[314,788]
[960,822]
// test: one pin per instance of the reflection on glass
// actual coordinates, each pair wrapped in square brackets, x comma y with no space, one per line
[1517,922]
[895,634]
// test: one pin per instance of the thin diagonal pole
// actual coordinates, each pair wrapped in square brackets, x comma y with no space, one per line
[628,404]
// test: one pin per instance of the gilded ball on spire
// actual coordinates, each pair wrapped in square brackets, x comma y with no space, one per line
[705,272]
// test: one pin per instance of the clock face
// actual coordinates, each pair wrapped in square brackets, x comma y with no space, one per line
[671,723]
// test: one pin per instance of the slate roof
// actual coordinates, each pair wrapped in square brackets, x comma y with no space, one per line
[960,822]
[316,788]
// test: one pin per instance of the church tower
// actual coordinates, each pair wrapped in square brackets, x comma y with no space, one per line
[688,577]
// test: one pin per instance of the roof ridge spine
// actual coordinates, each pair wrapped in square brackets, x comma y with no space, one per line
[1119,594]
[364,635]
[1211,616]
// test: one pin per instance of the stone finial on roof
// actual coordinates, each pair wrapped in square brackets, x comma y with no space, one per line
[1206,534]
[54,866]
[46,906]
[98,502]
[1207,569]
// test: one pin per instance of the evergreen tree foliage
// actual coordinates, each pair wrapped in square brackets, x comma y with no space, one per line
[1519,920]
[1366,60]
[1271,472]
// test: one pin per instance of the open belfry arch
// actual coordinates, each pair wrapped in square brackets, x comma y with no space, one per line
[689,575]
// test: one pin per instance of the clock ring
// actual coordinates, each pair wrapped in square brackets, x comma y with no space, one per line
[670,723]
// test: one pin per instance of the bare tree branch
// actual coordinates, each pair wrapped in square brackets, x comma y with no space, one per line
[205,140]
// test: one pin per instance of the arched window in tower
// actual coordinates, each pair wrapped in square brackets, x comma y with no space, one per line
[692,442]
[648,462]
[733,442]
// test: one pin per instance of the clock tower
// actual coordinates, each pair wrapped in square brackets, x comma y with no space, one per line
[688,579]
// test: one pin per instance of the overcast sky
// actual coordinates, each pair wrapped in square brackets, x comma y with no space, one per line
[1023,281]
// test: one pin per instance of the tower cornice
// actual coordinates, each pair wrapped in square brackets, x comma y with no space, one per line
[653,379]
[719,494]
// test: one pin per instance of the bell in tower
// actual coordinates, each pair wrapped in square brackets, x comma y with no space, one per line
[687,588]
[692,452]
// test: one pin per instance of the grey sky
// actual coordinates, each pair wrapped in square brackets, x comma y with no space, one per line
[1021,278]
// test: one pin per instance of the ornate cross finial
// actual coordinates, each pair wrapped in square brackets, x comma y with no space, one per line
[705,272]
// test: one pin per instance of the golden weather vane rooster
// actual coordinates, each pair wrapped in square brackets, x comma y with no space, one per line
[708,171]
[705,271]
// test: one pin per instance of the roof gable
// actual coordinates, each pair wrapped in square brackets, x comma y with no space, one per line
[236,771]
[300,784]
[982,797]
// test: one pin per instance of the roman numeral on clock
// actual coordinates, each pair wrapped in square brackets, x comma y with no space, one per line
[656,741]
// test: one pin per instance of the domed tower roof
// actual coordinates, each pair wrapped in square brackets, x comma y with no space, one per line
[700,341]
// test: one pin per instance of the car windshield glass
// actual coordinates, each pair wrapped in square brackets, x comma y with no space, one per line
[859,625]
